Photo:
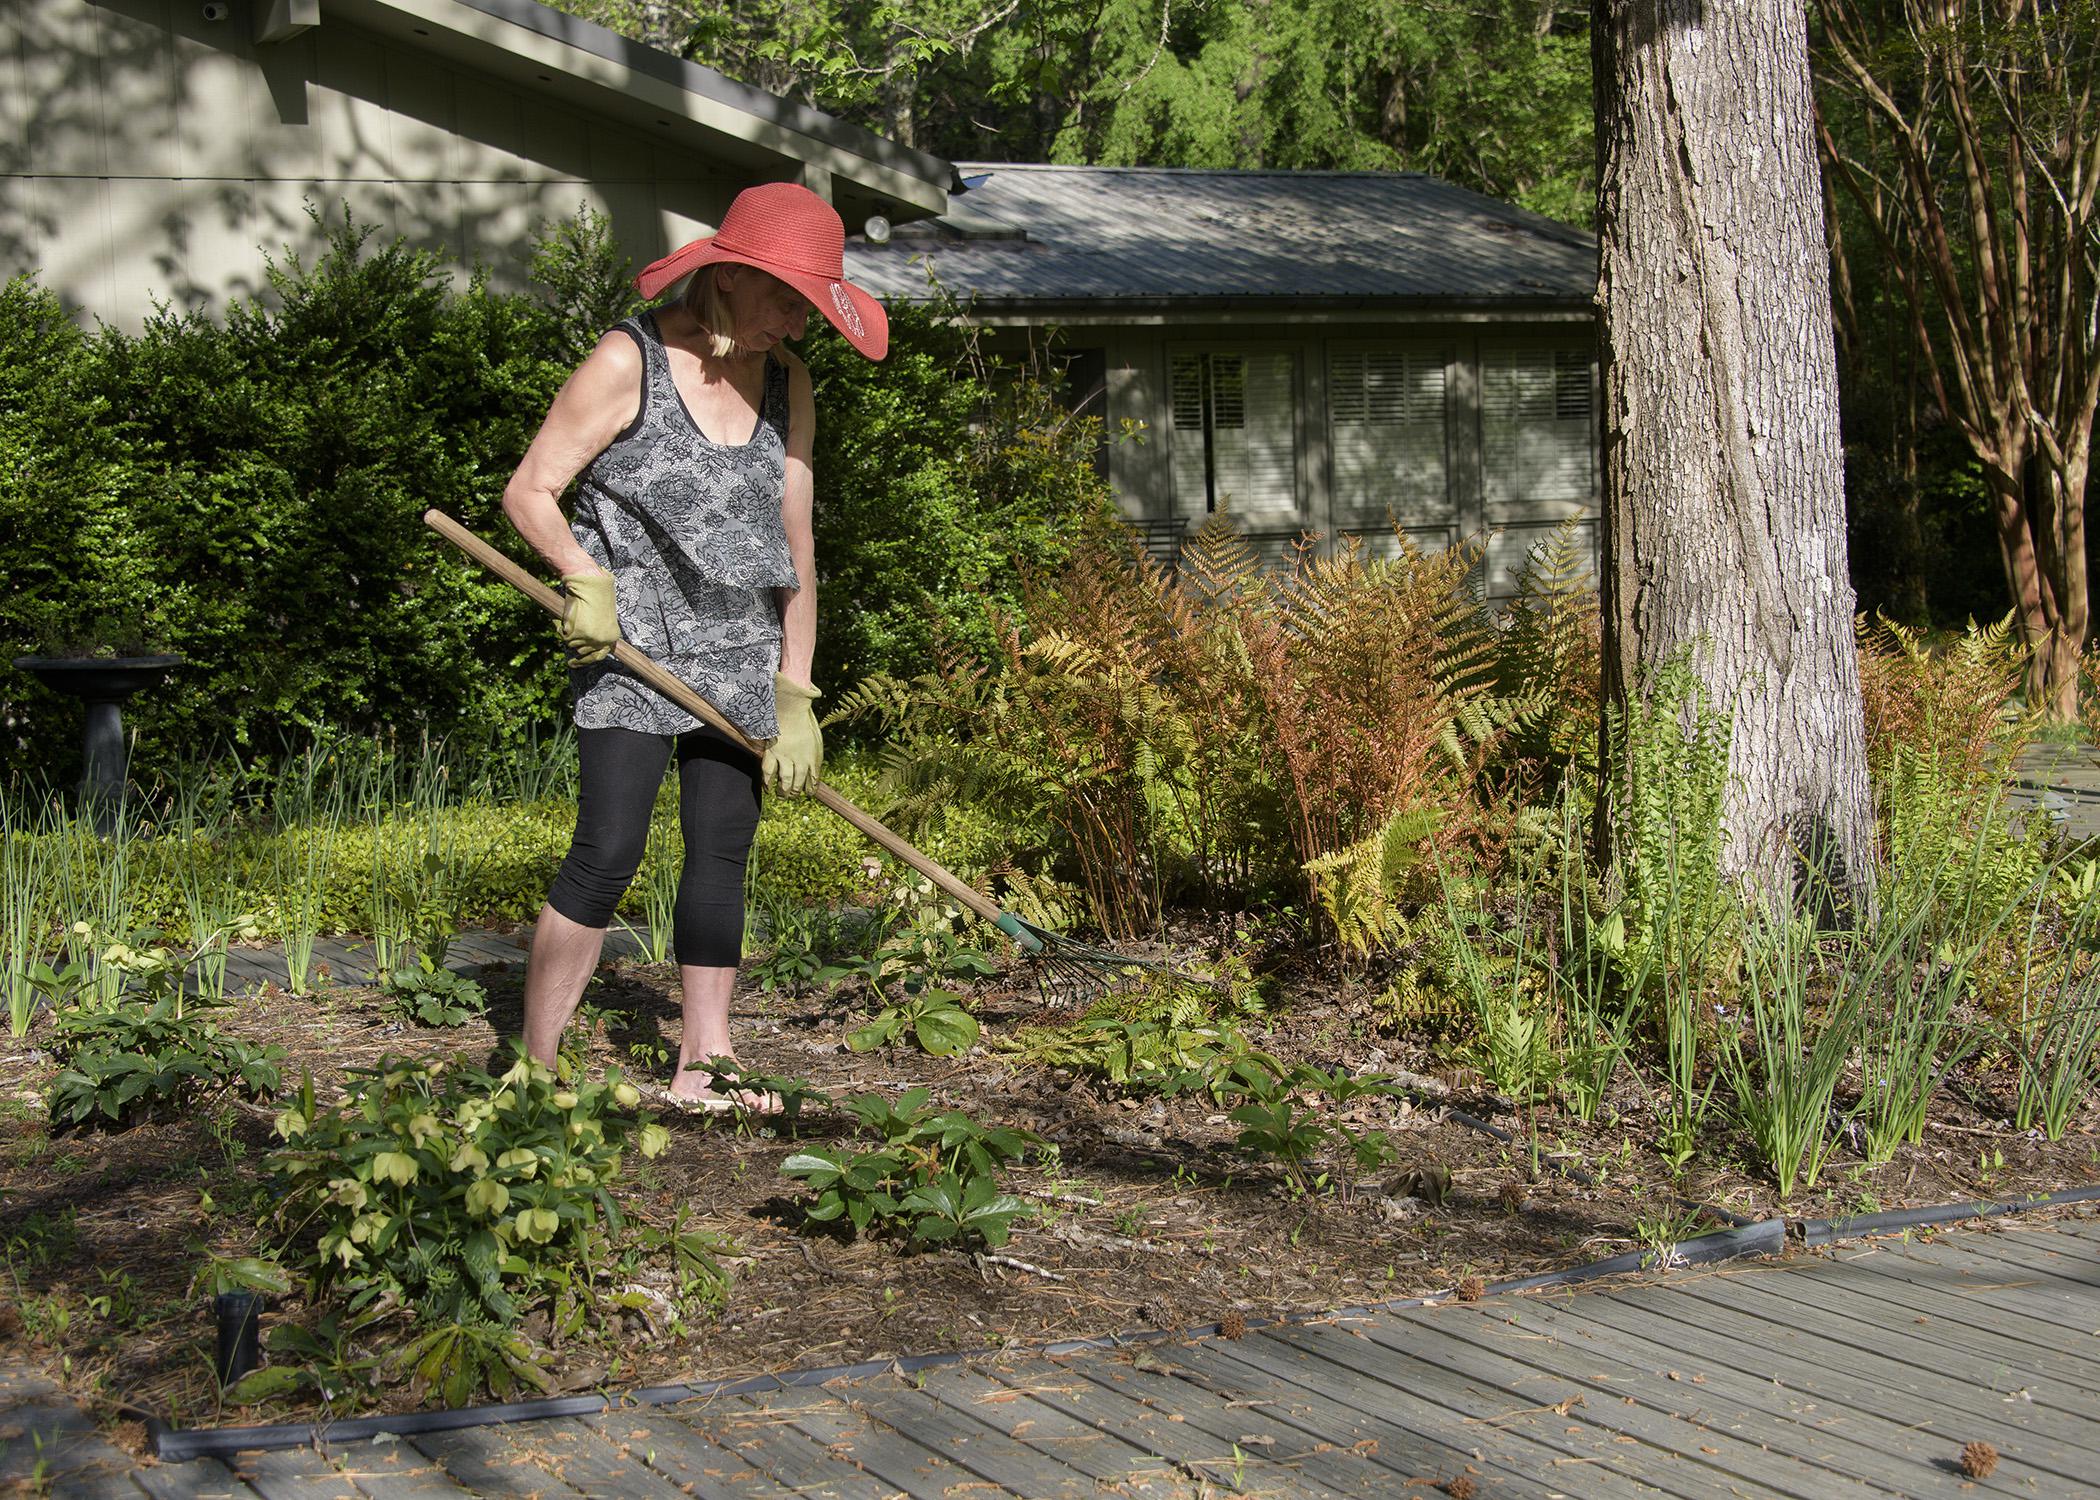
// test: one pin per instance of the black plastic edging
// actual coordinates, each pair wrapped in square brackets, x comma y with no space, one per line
[1762,1237]
[1824,1231]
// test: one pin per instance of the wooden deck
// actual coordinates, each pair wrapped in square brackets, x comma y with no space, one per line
[2062,781]
[249,969]
[1857,1372]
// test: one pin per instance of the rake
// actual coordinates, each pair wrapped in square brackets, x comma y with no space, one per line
[1074,961]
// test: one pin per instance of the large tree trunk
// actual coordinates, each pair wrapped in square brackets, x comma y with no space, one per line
[1723,467]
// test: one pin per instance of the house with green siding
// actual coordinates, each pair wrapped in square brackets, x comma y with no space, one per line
[153,151]
[1356,355]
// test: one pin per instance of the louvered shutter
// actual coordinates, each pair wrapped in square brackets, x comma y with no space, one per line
[1387,411]
[1253,433]
[1536,430]
[1185,443]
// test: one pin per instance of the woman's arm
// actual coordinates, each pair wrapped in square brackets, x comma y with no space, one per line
[593,406]
[798,610]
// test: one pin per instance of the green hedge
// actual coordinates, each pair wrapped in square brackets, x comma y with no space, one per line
[249,492]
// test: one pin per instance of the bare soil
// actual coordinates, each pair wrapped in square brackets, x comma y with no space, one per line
[1150,1217]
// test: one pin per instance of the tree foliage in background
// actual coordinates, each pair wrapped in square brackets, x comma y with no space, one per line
[1964,138]
[1493,96]
[250,492]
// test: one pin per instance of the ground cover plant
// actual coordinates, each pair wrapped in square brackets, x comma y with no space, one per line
[1346,951]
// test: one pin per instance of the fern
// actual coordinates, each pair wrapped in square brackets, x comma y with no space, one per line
[1360,888]
[1548,654]
[1209,734]
[1952,705]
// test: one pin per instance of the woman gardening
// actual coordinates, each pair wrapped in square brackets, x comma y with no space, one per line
[689,429]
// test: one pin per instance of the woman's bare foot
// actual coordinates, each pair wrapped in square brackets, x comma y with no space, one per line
[695,1088]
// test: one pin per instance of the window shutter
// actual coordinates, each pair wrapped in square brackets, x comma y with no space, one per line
[1253,431]
[1185,389]
[1536,432]
[1387,409]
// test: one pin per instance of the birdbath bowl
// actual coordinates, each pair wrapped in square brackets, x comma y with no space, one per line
[103,683]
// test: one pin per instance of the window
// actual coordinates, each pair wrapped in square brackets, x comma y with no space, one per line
[1536,430]
[1387,407]
[1234,444]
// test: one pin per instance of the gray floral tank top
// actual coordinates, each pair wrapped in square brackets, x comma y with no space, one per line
[692,533]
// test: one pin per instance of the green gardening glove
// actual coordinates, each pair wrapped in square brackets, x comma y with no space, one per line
[590,623]
[796,755]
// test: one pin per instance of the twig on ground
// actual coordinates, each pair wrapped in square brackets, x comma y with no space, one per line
[1049,1197]
[1016,1264]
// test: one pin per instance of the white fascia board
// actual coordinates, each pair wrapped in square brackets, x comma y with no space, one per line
[613,88]
[1107,314]
[281,20]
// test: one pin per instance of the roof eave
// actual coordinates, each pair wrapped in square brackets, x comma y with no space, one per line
[994,312]
[679,102]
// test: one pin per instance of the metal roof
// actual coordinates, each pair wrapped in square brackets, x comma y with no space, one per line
[1049,235]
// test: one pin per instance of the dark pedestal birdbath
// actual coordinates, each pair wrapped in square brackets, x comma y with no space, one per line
[102,683]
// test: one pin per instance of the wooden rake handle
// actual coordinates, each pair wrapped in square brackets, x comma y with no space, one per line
[682,695]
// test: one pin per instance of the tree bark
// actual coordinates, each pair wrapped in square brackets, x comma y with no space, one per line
[1723,464]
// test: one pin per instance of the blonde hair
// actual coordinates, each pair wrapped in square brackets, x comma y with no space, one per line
[704,298]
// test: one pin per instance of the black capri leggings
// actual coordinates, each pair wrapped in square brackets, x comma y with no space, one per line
[718,799]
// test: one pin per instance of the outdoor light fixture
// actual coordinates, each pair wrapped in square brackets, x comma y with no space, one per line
[877,230]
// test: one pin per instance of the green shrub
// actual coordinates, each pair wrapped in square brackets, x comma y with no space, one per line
[942,485]
[273,471]
[154,1051]
[249,492]
[465,1197]
[70,473]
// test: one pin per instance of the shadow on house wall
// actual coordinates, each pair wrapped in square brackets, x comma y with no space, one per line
[151,155]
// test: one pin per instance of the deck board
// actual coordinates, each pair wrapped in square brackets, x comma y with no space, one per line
[1535,1376]
[1860,1451]
[486,1461]
[1011,1408]
[398,1471]
[1388,1442]
[1272,1452]
[1815,1376]
[1477,1414]
[884,1452]
[1173,1451]
[1991,1239]
[199,1479]
[1937,1330]
[672,1441]
[985,1450]
[296,1474]
[766,1437]
[574,1452]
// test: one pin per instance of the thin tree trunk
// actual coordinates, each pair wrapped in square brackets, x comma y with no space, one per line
[1723,466]
[1985,109]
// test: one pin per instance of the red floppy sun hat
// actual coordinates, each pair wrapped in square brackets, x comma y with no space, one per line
[787,231]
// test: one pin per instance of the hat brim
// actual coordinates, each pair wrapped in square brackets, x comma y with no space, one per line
[858,316]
